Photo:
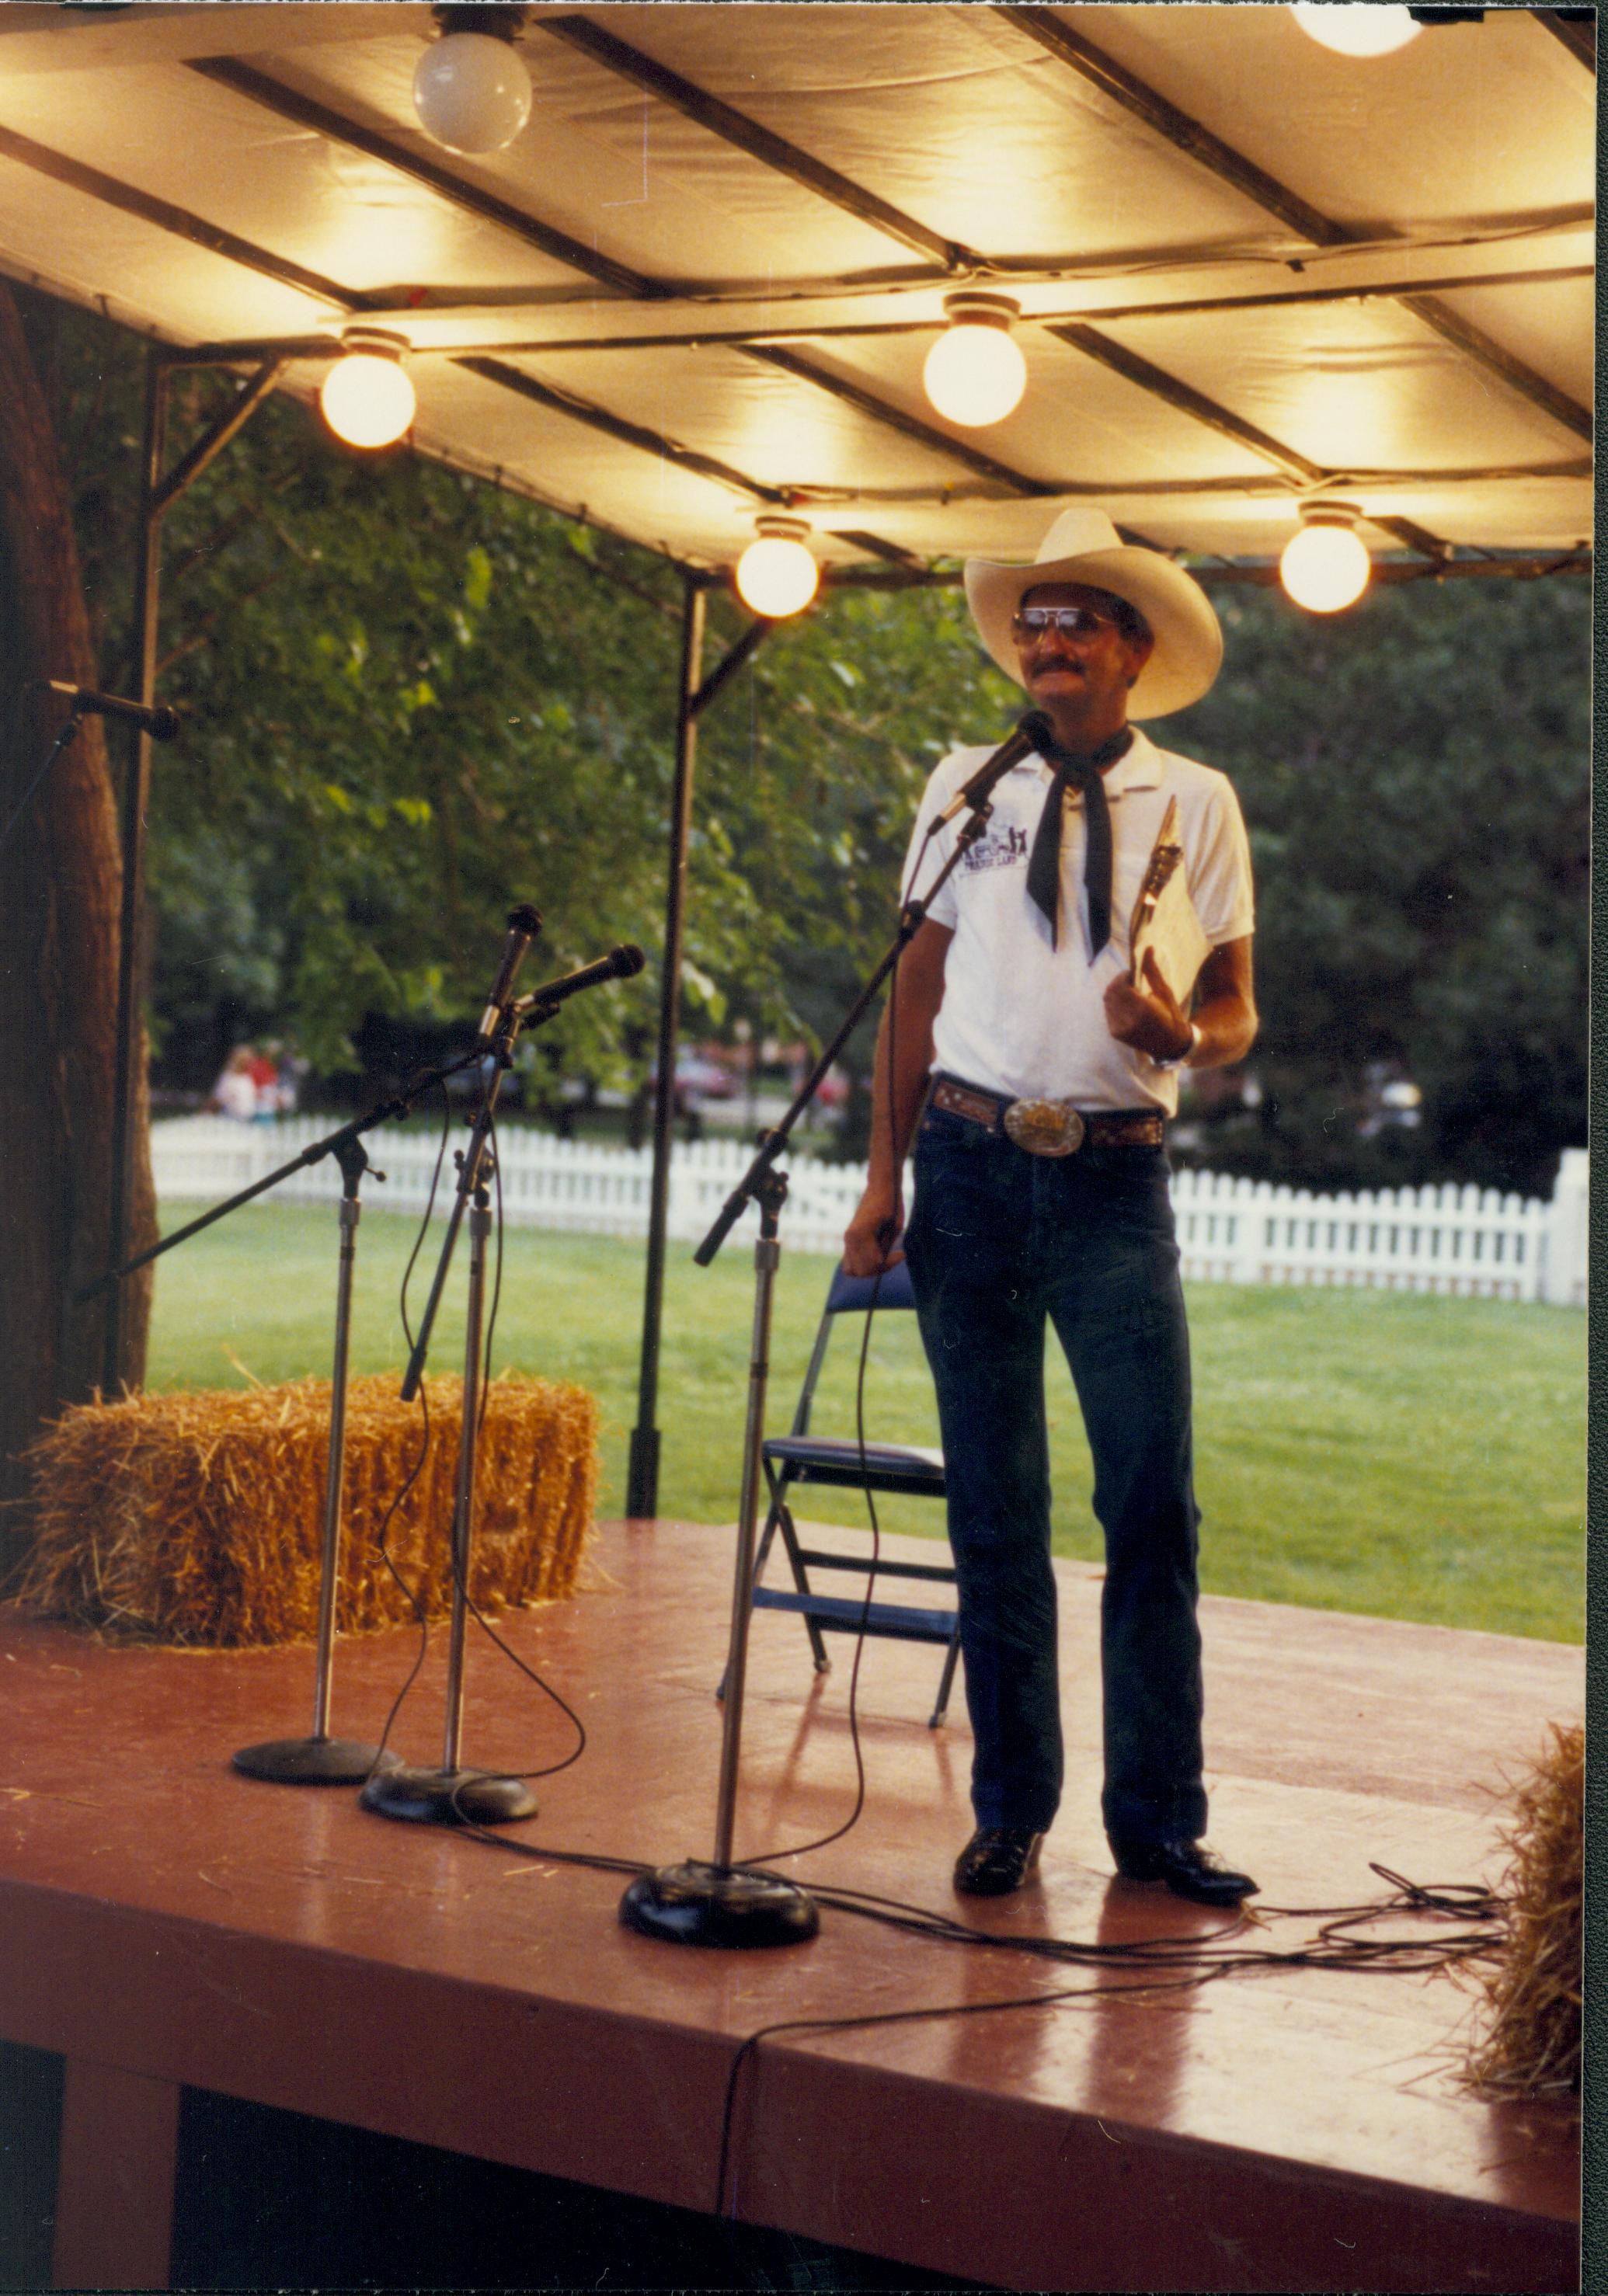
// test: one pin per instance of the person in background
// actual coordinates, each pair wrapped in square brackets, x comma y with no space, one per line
[234,1094]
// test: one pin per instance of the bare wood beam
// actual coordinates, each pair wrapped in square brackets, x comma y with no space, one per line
[910,426]
[893,554]
[1158,384]
[1416,537]
[245,79]
[1260,574]
[1272,299]
[1575,28]
[615,426]
[179,221]
[583,33]
[1047,27]
[1050,29]
[1464,336]
[1293,464]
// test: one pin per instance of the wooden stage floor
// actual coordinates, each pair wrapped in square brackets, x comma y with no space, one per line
[168,1922]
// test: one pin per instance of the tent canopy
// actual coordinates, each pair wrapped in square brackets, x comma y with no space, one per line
[701,282]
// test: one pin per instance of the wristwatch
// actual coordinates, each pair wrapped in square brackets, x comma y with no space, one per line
[1177,1059]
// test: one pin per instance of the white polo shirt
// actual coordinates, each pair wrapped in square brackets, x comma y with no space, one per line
[1019,1016]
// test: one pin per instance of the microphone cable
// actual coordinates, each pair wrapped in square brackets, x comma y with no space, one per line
[381,1537]
[473,1609]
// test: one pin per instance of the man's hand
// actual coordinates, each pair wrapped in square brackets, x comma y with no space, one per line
[869,1238]
[1145,1013]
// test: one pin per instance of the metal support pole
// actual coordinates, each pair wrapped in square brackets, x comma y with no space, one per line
[136,788]
[642,1483]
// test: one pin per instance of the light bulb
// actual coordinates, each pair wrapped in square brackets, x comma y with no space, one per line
[472,91]
[1326,566]
[367,398]
[1356,28]
[975,373]
[776,575]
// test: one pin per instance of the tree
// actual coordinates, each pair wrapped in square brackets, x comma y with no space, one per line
[1414,775]
[60,893]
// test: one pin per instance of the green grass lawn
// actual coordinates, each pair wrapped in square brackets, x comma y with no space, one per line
[1412,1457]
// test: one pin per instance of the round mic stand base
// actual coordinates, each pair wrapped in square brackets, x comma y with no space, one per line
[448,1796]
[312,1762]
[696,1904]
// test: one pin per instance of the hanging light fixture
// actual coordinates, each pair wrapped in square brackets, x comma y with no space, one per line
[1356,28]
[366,397]
[975,373]
[472,90]
[1326,565]
[776,574]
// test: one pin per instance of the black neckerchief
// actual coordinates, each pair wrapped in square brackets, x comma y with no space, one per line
[1078,769]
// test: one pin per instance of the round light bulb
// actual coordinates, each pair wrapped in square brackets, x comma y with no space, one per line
[367,399]
[776,575]
[975,373]
[1356,28]
[472,91]
[1325,567]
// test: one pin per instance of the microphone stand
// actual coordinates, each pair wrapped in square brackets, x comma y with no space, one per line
[720,1903]
[452,1795]
[319,1760]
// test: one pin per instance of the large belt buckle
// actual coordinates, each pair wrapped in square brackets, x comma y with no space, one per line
[1045,1127]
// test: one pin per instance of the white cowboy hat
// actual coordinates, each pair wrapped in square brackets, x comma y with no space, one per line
[1083,545]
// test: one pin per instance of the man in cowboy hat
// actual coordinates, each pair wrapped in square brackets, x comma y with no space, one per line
[1041,1074]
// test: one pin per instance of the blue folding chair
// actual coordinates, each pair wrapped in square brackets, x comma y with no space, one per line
[838,1463]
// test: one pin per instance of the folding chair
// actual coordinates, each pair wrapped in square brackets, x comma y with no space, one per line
[837,1462]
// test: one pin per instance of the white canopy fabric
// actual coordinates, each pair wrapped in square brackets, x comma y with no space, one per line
[701,282]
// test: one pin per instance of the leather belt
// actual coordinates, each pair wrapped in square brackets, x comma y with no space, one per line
[1048,1128]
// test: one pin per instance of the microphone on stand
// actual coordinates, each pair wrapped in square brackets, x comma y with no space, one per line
[977,791]
[619,964]
[524,924]
[155,719]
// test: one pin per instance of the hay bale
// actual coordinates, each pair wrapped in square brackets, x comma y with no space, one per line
[198,1518]
[1531,2018]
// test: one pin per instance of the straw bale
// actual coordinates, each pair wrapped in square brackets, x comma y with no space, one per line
[197,1517]
[1529,2023]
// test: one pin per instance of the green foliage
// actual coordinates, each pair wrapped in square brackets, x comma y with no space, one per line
[1415,776]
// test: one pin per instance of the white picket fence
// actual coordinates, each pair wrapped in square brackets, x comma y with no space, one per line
[1233,1231]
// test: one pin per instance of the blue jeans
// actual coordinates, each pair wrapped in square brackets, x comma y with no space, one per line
[998,1240]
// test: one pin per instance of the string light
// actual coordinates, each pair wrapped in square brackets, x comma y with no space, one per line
[975,373]
[1356,28]
[776,574]
[366,397]
[472,90]
[1325,566]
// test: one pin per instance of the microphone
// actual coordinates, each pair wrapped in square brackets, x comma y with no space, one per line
[157,720]
[524,924]
[980,788]
[619,964]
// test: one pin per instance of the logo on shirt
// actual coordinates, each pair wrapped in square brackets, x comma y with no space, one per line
[997,851]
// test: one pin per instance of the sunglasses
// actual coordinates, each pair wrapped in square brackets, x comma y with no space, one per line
[1072,621]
